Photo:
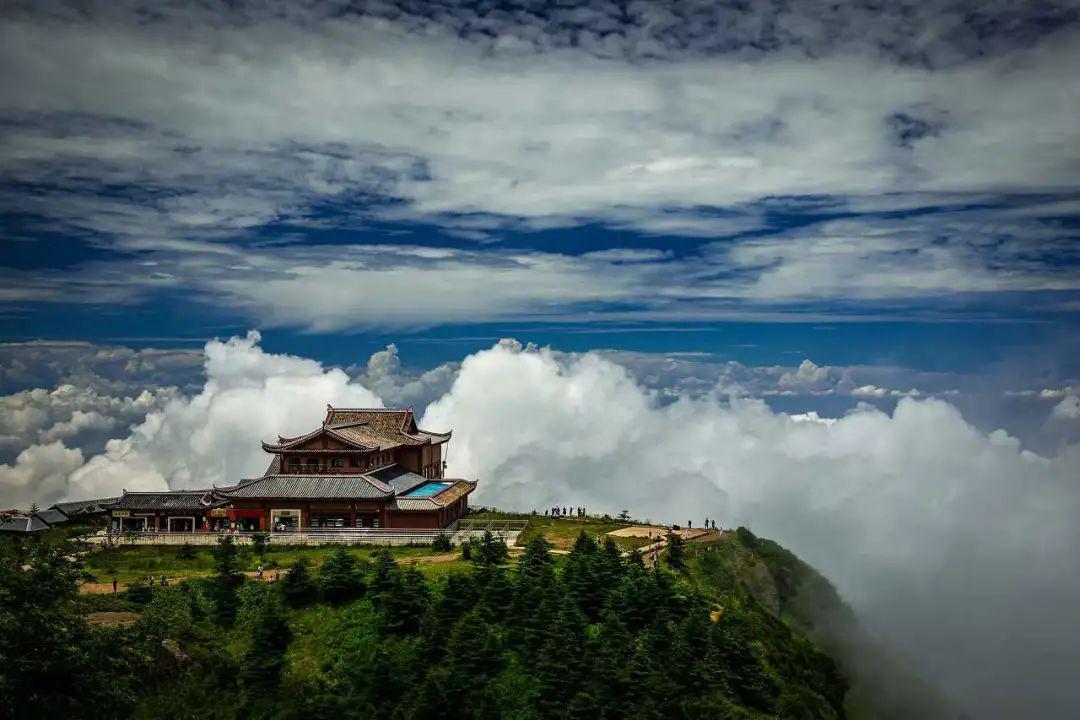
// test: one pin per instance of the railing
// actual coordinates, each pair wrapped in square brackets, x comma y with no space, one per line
[494,525]
[459,532]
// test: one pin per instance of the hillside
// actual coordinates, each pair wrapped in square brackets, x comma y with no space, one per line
[732,628]
[883,685]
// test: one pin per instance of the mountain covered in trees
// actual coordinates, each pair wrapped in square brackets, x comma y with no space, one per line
[719,630]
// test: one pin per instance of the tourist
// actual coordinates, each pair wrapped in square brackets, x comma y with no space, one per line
[114,585]
[164,581]
[259,573]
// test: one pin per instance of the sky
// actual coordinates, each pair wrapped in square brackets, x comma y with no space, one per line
[811,265]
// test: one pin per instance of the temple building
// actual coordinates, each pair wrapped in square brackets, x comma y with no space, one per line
[362,468]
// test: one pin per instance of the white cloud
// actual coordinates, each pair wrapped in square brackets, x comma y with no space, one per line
[39,472]
[77,415]
[272,117]
[937,532]
[211,438]
[807,375]
[1067,409]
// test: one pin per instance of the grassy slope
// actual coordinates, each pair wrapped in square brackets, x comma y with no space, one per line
[133,564]
[884,686]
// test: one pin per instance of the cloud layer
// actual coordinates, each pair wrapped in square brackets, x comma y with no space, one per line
[182,136]
[954,544]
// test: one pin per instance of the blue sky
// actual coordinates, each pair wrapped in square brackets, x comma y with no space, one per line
[762,181]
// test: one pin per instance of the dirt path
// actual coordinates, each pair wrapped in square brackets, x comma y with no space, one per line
[112,619]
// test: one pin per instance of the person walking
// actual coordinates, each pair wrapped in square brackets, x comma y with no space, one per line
[114,585]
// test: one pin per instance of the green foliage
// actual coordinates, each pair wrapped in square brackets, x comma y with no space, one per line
[676,552]
[339,577]
[490,550]
[589,634]
[187,551]
[227,576]
[442,543]
[298,584]
[51,663]
[259,542]
[262,664]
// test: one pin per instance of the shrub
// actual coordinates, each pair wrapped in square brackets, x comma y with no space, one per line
[441,543]
[187,551]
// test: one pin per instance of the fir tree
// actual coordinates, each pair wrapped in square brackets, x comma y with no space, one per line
[262,664]
[676,552]
[298,585]
[227,577]
[339,577]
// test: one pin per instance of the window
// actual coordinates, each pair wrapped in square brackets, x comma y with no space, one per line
[337,462]
[354,462]
[312,462]
[294,463]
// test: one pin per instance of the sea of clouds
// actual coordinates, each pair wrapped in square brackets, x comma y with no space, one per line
[955,545]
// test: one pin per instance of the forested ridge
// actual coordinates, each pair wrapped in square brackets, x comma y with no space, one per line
[590,634]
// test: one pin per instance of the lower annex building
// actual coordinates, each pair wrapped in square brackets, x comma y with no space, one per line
[362,468]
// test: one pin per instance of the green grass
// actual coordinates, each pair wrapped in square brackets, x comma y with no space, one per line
[133,564]
[561,532]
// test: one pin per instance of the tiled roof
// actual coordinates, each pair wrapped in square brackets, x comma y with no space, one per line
[171,500]
[399,478]
[23,524]
[435,502]
[85,507]
[385,427]
[352,442]
[310,486]
[52,516]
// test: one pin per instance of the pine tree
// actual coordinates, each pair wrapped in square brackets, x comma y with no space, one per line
[560,668]
[227,577]
[676,552]
[298,585]
[262,664]
[583,577]
[339,577]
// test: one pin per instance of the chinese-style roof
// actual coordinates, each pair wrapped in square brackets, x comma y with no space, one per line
[84,507]
[169,500]
[435,502]
[350,441]
[310,486]
[23,524]
[52,516]
[362,430]
[399,478]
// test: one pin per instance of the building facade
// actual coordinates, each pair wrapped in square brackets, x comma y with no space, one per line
[362,468]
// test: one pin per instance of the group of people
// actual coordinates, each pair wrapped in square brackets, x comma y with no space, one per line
[271,579]
[557,511]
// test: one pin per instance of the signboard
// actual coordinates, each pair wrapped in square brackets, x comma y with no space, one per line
[217,512]
[286,513]
[121,513]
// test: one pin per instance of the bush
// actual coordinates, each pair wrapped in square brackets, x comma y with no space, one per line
[187,551]
[441,543]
